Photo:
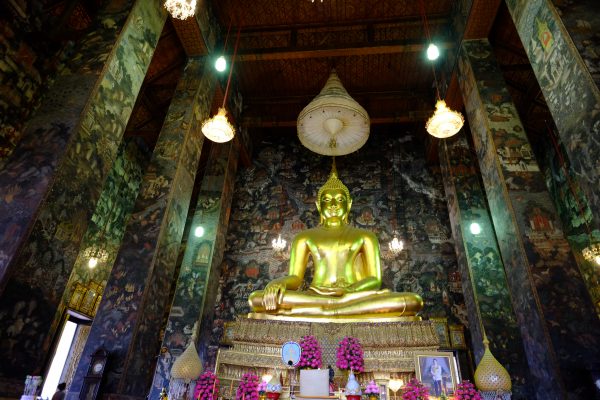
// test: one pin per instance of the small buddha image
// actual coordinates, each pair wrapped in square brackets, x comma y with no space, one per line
[346,273]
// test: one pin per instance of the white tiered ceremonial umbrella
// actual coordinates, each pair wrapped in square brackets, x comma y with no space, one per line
[333,123]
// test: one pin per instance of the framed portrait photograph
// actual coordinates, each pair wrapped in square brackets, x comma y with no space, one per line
[437,371]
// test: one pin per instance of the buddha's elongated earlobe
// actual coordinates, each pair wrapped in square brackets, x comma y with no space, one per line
[321,218]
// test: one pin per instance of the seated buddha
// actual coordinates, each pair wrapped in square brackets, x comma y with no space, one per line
[347,269]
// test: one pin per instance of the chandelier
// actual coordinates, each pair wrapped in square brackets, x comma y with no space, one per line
[95,255]
[396,246]
[218,128]
[279,243]
[592,252]
[444,122]
[181,9]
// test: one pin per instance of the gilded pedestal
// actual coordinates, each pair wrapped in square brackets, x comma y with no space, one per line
[389,347]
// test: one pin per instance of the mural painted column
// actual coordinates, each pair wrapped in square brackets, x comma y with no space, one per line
[554,311]
[198,277]
[483,280]
[564,151]
[107,226]
[562,54]
[52,181]
[130,317]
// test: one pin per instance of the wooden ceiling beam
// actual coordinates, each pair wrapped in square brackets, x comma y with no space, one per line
[305,98]
[266,122]
[432,19]
[360,50]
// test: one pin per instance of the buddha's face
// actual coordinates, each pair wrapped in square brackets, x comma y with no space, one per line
[334,205]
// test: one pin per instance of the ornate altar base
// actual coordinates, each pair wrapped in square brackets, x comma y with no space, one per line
[389,348]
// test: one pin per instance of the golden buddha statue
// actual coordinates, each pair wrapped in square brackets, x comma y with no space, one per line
[347,270]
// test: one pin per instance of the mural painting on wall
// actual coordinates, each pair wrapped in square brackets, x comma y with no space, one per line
[51,249]
[484,270]
[525,218]
[112,212]
[566,65]
[572,207]
[581,18]
[285,178]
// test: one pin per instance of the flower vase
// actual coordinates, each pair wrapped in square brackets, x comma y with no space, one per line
[273,395]
[373,397]
[353,397]
[262,396]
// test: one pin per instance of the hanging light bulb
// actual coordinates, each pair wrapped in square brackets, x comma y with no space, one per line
[181,9]
[199,231]
[432,52]
[221,64]
[279,243]
[444,122]
[475,228]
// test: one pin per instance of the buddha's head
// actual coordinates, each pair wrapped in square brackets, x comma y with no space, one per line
[333,199]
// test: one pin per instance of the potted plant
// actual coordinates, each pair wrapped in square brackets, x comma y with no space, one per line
[372,390]
[262,390]
[248,388]
[350,355]
[466,390]
[207,387]
[311,355]
[415,390]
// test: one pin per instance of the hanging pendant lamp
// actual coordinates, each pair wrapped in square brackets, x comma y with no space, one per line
[333,123]
[444,122]
[218,128]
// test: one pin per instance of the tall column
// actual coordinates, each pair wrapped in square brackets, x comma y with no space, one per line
[483,280]
[198,277]
[554,311]
[130,316]
[51,182]
[570,91]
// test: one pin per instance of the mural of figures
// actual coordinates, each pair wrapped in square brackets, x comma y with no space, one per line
[541,271]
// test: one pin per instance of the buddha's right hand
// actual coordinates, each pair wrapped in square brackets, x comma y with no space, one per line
[273,295]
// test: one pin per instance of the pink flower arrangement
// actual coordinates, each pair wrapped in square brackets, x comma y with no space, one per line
[350,355]
[414,390]
[248,388]
[466,390]
[372,389]
[262,387]
[207,387]
[311,356]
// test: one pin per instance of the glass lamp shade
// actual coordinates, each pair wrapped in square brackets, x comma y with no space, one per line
[444,122]
[218,129]
[181,9]
[592,253]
